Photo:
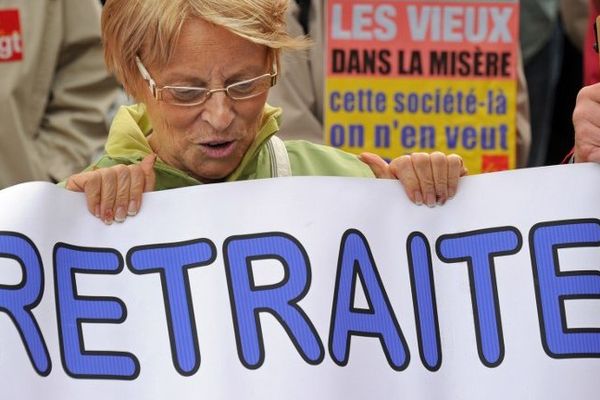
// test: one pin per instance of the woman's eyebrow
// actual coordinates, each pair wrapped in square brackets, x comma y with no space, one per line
[174,78]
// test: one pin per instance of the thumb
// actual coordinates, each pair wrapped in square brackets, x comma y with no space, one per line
[378,165]
[147,166]
[76,183]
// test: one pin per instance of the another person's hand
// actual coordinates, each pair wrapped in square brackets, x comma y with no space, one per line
[114,193]
[586,120]
[429,179]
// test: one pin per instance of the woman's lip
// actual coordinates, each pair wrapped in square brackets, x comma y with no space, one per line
[224,149]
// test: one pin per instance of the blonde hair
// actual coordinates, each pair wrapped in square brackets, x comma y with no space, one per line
[151,28]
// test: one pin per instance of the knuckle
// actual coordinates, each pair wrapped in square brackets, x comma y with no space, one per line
[439,160]
[455,160]
[135,169]
[422,164]
[108,175]
[441,187]
[401,165]
[121,172]
[441,178]
[427,182]
[93,181]
[403,161]
[585,92]
[119,168]
[137,183]
[410,184]
[420,156]
[397,165]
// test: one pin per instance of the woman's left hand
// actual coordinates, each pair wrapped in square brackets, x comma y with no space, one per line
[429,179]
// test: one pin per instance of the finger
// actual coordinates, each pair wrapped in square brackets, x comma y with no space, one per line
[380,168]
[594,155]
[76,183]
[456,169]
[89,183]
[586,120]
[422,165]
[122,196]
[587,140]
[138,182]
[591,92]
[403,170]
[147,166]
[439,170]
[108,194]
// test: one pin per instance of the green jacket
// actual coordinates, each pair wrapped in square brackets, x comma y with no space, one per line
[127,144]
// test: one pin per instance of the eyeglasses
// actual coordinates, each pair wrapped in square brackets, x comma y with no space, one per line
[188,96]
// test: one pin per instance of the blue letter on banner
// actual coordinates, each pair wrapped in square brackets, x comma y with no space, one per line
[554,286]
[478,249]
[280,299]
[18,301]
[172,261]
[356,261]
[421,280]
[73,310]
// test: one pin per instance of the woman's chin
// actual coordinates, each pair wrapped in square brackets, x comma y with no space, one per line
[211,171]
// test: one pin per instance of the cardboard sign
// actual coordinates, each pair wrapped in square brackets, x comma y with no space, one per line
[408,76]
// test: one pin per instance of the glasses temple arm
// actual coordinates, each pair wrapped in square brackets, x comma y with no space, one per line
[146,75]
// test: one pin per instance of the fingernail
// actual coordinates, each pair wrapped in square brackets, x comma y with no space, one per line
[121,214]
[97,211]
[132,210]
[431,200]
[108,217]
[418,198]
[451,193]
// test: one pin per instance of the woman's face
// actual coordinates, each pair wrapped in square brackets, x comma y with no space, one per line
[208,141]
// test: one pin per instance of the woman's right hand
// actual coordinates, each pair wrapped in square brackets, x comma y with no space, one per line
[586,120]
[114,193]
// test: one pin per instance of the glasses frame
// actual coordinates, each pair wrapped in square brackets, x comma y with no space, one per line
[156,90]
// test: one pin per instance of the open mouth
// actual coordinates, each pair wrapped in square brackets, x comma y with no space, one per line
[217,145]
[218,149]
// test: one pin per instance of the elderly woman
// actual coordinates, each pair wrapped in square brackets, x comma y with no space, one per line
[201,71]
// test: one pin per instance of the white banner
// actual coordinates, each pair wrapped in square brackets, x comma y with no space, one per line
[296,288]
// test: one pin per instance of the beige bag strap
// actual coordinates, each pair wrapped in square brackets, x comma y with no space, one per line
[280,162]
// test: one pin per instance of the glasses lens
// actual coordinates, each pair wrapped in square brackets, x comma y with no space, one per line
[250,88]
[184,95]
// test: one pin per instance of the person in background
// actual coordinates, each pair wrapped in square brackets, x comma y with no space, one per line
[572,26]
[302,88]
[54,89]
[591,66]
[202,115]
[586,116]
[542,46]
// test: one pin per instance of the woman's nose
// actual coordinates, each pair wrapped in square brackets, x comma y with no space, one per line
[218,111]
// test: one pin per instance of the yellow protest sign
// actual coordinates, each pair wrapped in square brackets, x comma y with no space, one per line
[407,76]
